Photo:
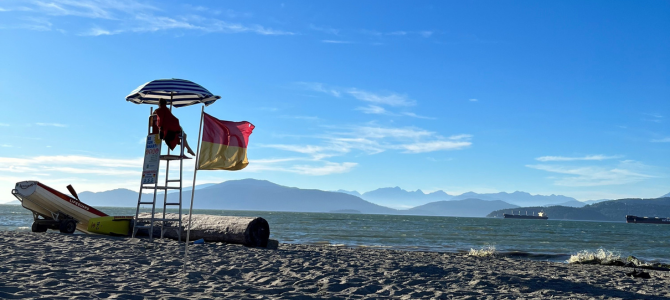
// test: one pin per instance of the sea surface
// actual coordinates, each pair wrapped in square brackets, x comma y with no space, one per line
[553,240]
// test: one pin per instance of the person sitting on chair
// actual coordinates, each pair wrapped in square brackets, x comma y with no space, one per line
[168,127]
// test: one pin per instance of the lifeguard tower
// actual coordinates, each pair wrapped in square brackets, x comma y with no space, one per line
[177,93]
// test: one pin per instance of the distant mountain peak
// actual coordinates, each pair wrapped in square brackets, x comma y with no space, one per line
[354,193]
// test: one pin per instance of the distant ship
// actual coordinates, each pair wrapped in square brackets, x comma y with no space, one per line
[655,220]
[540,216]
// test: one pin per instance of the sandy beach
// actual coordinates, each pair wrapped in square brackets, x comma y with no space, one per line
[57,266]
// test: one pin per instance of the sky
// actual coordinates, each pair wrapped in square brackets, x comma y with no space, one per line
[546,97]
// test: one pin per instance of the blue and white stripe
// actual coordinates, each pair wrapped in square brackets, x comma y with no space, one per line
[181,92]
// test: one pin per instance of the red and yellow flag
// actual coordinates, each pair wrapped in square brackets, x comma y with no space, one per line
[224,144]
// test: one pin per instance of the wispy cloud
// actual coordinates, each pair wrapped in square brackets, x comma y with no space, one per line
[391,99]
[423,147]
[306,118]
[30,23]
[588,157]
[306,149]
[624,173]
[87,172]
[375,139]
[124,16]
[378,110]
[413,115]
[18,8]
[653,117]
[51,124]
[336,42]
[223,12]
[376,99]
[97,31]
[320,87]
[71,160]
[363,36]
[328,168]
[473,100]
[662,140]
[110,9]
[4,124]
[426,33]
[386,98]
[317,168]
[324,29]
[421,33]
[373,109]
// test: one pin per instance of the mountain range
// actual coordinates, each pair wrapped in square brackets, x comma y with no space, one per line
[128,198]
[612,210]
[251,194]
[459,208]
[398,198]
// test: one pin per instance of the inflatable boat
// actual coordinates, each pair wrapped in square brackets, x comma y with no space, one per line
[53,209]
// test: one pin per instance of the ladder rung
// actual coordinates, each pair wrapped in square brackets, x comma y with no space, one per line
[173,157]
[146,203]
[142,226]
[159,219]
[168,188]
[174,180]
[173,203]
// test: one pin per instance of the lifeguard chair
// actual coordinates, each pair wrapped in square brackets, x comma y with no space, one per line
[150,179]
[178,93]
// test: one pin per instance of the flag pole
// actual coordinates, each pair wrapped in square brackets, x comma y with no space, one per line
[195,172]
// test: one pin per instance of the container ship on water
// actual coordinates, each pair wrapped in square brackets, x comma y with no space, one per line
[539,216]
[655,220]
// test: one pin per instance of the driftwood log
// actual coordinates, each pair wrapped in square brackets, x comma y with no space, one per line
[249,231]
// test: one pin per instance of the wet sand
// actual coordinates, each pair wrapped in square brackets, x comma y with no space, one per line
[57,266]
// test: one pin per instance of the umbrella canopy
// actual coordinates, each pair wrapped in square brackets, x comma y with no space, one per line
[178,92]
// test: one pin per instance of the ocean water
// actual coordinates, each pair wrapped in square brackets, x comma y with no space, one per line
[553,240]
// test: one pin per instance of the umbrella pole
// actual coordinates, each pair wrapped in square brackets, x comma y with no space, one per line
[195,172]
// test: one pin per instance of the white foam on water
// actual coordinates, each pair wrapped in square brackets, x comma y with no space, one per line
[600,255]
[485,251]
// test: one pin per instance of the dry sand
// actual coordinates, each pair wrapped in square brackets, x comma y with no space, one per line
[58,266]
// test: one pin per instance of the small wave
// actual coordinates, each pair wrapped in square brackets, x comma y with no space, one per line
[599,256]
[486,251]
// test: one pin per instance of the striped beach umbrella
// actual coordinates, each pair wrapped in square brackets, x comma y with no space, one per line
[178,92]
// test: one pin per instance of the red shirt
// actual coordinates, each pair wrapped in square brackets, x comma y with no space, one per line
[168,125]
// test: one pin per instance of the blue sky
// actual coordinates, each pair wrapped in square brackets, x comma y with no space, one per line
[560,97]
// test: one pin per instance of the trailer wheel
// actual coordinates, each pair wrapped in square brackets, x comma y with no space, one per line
[38,228]
[68,226]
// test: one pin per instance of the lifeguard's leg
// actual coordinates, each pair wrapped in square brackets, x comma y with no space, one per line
[190,151]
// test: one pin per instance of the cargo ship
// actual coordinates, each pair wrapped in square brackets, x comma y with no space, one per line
[654,220]
[540,216]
